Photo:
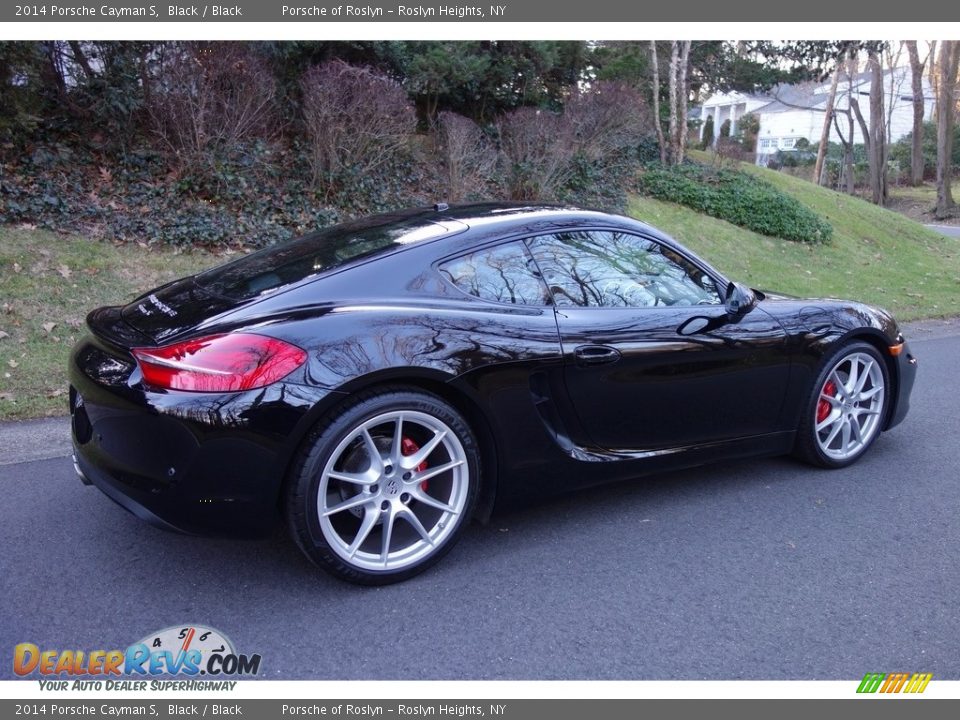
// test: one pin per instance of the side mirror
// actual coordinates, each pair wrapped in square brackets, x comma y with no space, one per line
[739,299]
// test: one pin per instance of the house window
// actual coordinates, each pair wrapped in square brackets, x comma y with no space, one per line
[768,143]
[789,143]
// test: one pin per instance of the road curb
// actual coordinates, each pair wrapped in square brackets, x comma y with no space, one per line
[931,329]
[31,440]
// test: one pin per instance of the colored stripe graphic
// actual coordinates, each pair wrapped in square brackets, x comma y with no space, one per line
[871,682]
[894,682]
[918,683]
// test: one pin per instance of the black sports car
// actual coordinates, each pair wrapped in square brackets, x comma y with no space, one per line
[380,382]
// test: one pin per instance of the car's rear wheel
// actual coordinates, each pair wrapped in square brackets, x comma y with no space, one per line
[383,489]
[847,404]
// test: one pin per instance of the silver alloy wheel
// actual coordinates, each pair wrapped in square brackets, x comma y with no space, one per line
[849,406]
[403,466]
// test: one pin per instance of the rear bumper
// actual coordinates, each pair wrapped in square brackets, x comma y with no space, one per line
[199,463]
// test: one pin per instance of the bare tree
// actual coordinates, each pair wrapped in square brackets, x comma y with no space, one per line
[469,158]
[212,97]
[606,120]
[679,61]
[877,148]
[894,90]
[946,110]
[535,145]
[849,69]
[655,68]
[874,134]
[932,73]
[357,120]
[916,149]
[819,176]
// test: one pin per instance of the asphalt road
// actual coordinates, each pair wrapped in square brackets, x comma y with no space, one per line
[948,230]
[752,570]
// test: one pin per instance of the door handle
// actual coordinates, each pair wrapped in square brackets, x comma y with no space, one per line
[596,354]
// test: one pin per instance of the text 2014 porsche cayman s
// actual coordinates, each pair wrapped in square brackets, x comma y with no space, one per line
[379,383]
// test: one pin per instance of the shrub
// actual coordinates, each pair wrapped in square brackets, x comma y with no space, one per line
[608,126]
[469,158]
[357,121]
[707,140]
[729,150]
[209,100]
[748,127]
[535,149]
[737,197]
[607,121]
[584,156]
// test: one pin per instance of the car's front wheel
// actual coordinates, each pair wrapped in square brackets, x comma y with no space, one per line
[846,407]
[383,489]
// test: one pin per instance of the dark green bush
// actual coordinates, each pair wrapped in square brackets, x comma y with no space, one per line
[737,197]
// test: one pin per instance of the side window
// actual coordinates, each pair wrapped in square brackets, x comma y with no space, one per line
[505,273]
[615,269]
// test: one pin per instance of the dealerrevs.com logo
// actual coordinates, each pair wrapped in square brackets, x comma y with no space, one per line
[188,651]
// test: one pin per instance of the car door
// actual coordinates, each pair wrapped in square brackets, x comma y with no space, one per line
[652,359]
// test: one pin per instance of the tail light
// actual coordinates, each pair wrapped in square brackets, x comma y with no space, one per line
[219,363]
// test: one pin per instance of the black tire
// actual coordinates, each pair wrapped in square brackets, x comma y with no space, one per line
[822,438]
[379,498]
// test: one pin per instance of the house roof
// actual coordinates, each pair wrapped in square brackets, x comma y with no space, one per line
[810,95]
[794,97]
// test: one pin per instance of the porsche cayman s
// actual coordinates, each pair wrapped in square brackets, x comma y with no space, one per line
[379,383]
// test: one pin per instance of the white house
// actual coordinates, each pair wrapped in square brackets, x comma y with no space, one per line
[788,113]
[730,106]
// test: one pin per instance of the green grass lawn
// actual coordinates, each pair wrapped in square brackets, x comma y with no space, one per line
[926,193]
[876,255]
[48,283]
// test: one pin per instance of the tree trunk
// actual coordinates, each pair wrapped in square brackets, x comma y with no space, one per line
[855,106]
[932,70]
[916,149]
[81,59]
[679,60]
[683,100]
[655,66]
[878,132]
[946,101]
[818,173]
[846,173]
[674,119]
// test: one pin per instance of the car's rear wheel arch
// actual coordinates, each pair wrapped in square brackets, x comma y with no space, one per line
[460,401]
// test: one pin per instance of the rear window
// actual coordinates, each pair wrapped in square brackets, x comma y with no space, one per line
[273,268]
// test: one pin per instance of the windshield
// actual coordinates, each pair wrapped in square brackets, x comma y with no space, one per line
[268,270]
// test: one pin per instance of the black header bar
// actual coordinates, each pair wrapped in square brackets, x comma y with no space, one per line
[459,11]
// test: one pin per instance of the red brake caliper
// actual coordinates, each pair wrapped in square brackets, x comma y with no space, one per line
[823,407]
[409,447]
